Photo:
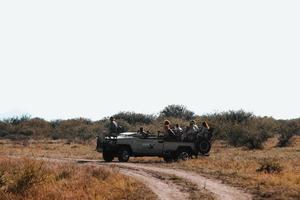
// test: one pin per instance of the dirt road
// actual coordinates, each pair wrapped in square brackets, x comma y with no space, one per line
[162,188]
[167,183]
[218,189]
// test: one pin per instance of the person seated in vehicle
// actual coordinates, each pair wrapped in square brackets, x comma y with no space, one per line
[205,130]
[113,127]
[191,131]
[142,133]
[169,133]
[184,134]
[178,131]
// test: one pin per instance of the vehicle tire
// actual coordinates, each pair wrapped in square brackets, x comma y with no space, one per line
[168,159]
[108,157]
[183,154]
[124,154]
[168,156]
[209,134]
[204,146]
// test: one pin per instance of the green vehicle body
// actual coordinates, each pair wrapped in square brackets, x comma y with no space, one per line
[133,144]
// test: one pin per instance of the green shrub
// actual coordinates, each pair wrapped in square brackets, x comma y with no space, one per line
[54,136]
[26,176]
[223,122]
[177,111]
[133,118]
[3,133]
[284,139]
[251,134]
[239,116]
[55,123]
[269,166]
[17,120]
[286,131]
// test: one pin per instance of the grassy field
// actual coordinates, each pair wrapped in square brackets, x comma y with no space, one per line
[270,173]
[49,148]
[30,179]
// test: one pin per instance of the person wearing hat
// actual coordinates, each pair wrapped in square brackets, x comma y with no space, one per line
[113,127]
[169,133]
[142,133]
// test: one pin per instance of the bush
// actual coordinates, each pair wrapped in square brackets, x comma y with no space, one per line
[73,129]
[26,175]
[251,134]
[177,111]
[17,120]
[287,130]
[2,179]
[54,136]
[223,122]
[3,133]
[133,118]
[269,166]
[65,173]
[239,116]
[284,139]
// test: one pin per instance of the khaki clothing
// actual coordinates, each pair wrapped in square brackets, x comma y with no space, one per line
[191,133]
[203,131]
[113,128]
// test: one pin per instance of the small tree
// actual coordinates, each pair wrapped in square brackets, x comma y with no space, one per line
[287,130]
[177,111]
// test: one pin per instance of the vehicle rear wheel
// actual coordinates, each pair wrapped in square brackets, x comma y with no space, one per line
[169,156]
[124,154]
[183,155]
[168,159]
[108,157]
[204,146]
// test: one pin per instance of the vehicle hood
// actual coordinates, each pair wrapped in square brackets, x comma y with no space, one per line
[127,135]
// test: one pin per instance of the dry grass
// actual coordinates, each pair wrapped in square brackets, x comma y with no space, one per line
[29,179]
[236,166]
[49,148]
[240,168]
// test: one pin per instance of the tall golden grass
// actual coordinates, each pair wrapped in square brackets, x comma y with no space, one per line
[247,169]
[29,179]
[50,148]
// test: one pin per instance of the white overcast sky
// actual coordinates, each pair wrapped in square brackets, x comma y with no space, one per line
[69,58]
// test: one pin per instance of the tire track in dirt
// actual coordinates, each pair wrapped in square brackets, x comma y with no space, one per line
[163,190]
[220,190]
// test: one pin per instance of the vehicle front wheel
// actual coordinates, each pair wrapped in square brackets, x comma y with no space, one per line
[124,154]
[108,157]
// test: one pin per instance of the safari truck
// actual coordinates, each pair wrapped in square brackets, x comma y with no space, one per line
[134,144]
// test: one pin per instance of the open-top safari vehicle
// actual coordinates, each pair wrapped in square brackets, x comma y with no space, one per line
[134,144]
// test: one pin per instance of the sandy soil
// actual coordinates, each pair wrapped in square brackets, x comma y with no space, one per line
[163,189]
[220,190]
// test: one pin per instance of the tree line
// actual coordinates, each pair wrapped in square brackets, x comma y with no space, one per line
[238,128]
